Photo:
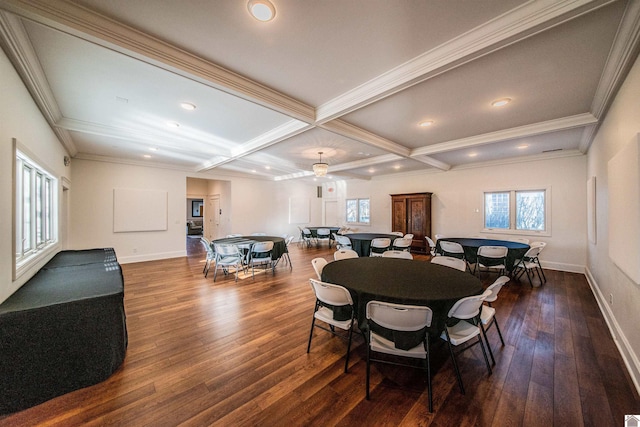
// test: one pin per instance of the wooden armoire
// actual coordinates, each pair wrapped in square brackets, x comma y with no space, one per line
[411,214]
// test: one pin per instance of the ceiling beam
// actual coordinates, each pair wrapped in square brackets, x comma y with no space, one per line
[358,134]
[521,22]
[555,125]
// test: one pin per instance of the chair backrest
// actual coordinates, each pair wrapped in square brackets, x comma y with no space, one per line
[262,247]
[408,236]
[398,233]
[430,242]
[331,294]
[538,244]
[397,254]
[448,261]
[288,240]
[344,254]
[323,233]
[495,288]
[533,252]
[342,240]
[381,242]
[439,236]
[493,251]
[402,243]
[468,307]
[399,317]
[306,232]
[224,251]
[451,247]
[258,234]
[318,264]
[207,245]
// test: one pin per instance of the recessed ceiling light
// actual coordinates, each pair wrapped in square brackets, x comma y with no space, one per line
[372,170]
[523,146]
[267,167]
[501,102]
[146,156]
[473,154]
[173,124]
[153,149]
[396,167]
[188,106]
[262,10]
[425,124]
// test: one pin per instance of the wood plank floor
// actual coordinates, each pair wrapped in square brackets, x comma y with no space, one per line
[233,354]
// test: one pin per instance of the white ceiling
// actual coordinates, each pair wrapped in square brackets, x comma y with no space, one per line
[349,78]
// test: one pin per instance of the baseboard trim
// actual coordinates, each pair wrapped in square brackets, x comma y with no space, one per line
[151,257]
[628,356]
[569,268]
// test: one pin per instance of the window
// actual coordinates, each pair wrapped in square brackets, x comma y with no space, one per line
[35,210]
[358,211]
[517,210]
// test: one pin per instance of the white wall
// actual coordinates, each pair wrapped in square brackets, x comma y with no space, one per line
[20,119]
[91,225]
[620,127]
[457,201]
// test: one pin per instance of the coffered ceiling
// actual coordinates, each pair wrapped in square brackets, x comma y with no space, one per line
[351,79]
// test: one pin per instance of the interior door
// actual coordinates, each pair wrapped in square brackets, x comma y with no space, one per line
[212,218]
[330,213]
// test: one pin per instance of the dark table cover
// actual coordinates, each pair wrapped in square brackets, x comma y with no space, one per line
[515,250]
[361,242]
[279,245]
[314,231]
[63,330]
[402,281]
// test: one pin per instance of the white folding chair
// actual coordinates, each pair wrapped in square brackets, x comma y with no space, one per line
[432,246]
[492,258]
[260,254]
[530,264]
[397,254]
[462,332]
[323,235]
[342,242]
[402,244]
[391,321]
[344,254]
[379,245]
[488,313]
[227,256]
[332,302]
[211,255]
[448,261]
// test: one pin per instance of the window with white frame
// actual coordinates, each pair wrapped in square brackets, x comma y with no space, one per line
[36,207]
[358,211]
[517,210]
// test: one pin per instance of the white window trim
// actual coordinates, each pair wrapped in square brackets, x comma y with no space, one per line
[357,199]
[512,214]
[38,254]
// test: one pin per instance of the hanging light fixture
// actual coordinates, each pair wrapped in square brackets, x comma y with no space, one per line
[320,168]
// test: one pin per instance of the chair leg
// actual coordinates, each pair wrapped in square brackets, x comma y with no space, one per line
[455,364]
[368,368]
[429,390]
[486,339]
[313,322]
[541,271]
[484,353]
[495,321]
[346,362]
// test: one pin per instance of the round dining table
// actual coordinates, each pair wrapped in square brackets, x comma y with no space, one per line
[361,242]
[515,250]
[246,242]
[402,281]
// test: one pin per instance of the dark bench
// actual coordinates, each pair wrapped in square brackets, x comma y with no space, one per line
[63,330]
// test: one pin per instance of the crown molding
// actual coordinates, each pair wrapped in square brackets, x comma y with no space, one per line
[564,123]
[86,24]
[16,44]
[521,159]
[522,22]
[621,57]
[588,134]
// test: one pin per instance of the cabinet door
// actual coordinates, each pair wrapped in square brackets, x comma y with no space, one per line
[399,214]
[416,218]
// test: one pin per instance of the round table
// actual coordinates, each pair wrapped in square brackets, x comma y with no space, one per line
[402,281]
[515,250]
[279,245]
[361,242]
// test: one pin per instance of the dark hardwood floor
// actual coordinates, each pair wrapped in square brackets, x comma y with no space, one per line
[225,353]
